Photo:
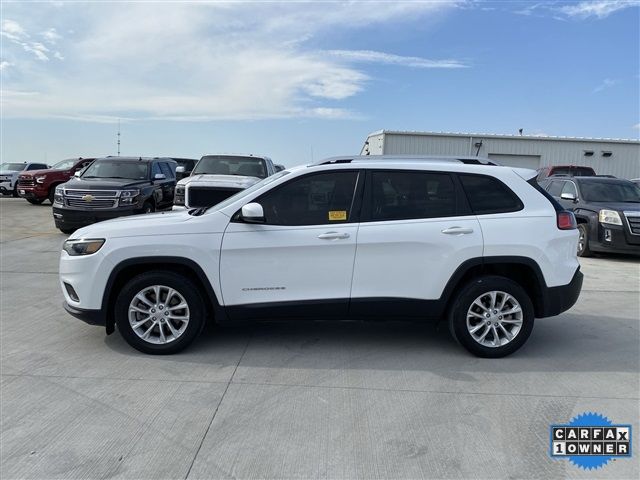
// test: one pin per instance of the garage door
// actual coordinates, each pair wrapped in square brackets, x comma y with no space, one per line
[523,161]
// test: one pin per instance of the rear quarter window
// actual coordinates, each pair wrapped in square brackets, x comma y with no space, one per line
[489,195]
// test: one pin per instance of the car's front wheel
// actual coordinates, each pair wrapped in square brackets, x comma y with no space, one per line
[159,312]
[35,201]
[583,240]
[491,317]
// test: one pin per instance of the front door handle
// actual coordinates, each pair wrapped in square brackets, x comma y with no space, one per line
[333,236]
[457,231]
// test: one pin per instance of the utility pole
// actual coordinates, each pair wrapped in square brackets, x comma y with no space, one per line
[118,137]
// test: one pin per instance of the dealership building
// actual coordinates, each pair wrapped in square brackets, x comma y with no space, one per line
[607,156]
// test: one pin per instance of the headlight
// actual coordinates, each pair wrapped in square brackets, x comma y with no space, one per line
[179,196]
[41,178]
[128,197]
[58,196]
[83,247]
[610,216]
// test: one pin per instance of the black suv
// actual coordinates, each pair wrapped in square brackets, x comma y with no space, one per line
[114,187]
[607,211]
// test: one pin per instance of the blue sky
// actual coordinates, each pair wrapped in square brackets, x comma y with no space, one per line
[308,79]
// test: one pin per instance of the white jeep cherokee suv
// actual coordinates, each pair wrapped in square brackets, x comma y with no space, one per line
[350,237]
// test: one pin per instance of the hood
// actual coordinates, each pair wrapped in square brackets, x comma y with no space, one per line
[223,181]
[154,224]
[33,173]
[10,172]
[619,206]
[104,183]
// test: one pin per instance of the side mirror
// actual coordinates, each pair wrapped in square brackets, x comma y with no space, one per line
[179,169]
[568,196]
[78,173]
[160,176]
[252,213]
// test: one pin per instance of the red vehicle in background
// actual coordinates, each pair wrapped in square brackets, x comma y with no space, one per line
[566,170]
[40,185]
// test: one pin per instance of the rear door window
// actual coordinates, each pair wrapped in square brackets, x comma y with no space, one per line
[489,195]
[402,195]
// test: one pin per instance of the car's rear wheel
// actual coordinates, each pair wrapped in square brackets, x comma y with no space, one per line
[583,240]
[35,201]
[159,312]
[491,317]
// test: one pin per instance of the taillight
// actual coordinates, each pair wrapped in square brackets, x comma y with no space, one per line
[566,220]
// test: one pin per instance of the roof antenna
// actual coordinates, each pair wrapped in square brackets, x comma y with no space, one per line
[118,137]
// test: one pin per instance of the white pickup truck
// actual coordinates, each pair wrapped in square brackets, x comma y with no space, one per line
[217,177]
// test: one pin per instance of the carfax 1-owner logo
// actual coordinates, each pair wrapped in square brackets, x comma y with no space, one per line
[590,441]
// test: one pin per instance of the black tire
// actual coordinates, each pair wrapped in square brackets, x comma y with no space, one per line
[15,191]
[463,302]
[67,231]
[148,207]
[185,287]
[583,240]
[35,201]
[52,192]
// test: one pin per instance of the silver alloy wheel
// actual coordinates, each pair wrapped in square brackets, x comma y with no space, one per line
[158,314]
[494,319]
[581,240]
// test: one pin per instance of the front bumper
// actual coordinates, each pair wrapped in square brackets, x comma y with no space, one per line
[614,239]
[32,192]
[92,317]
[560,299]
[6,188]
[67,218]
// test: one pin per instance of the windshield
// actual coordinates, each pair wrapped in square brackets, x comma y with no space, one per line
[65,164]
[231,165]
[610,192]
[14,167]
[117,169]
[248,191]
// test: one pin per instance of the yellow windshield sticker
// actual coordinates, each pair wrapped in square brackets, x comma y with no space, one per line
[337,215]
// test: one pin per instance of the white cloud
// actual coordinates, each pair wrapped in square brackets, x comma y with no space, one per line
[51,36]
[195,61]
[636,126]
[597,8]
[16,34]
[606,83]
[12,30]
[4,65]
[391,59]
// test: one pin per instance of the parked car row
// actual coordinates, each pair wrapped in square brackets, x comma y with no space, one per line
[87,190]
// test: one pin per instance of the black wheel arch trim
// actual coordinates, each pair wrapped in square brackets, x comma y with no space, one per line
[211,298]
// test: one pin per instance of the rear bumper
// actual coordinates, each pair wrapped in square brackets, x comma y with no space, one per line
[92,317]
[562,298]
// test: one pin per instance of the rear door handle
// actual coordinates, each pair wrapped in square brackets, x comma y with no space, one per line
[333,236]
[457,231]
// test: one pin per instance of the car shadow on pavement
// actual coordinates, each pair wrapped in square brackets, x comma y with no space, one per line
[568,343]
